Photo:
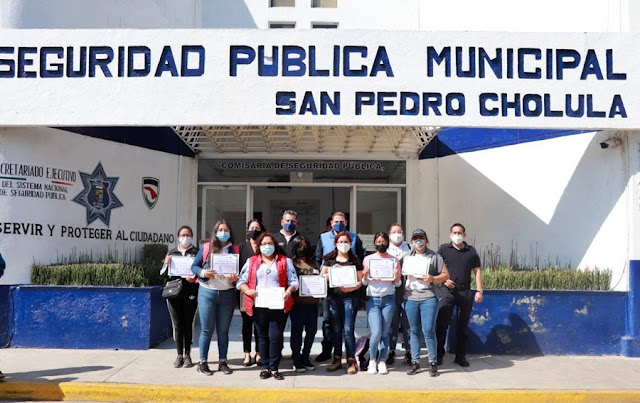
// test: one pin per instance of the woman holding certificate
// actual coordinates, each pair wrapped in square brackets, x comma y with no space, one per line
[182,308]
[344,271]
[424,269]
[381,275]
[268,279]
[217,266]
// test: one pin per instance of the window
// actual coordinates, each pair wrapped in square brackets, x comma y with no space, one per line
[282,3]
[324,25]
[324,3]
[277,25]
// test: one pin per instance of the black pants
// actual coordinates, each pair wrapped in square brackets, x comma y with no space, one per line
[248,330]
[463,301]
[270,324]
[182,310]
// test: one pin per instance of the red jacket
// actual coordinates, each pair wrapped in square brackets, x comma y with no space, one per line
[252,280]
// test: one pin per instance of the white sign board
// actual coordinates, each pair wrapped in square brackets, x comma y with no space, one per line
[269,77]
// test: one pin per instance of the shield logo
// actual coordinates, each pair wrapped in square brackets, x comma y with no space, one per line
[150,191]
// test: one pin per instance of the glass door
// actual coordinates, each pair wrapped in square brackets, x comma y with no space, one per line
[217,202]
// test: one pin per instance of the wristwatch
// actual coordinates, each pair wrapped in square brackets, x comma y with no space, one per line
[480,291]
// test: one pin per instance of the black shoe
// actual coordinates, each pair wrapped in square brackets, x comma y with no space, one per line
[178,362]
[247,363]
[187,361]
[308,365]
[264,374]
[277,375]
[391,358]
[324,356]
[415,367]
[433,369]
[203,368]
[224,368]
[258,361]
[1,375]
[298,365]
[407,358]
[461,361]
[439,361]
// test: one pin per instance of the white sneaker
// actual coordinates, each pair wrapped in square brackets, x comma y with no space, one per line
[372,368]
[382,368]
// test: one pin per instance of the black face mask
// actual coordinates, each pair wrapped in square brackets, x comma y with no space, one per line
[254,234]
[382,248]
[301,252]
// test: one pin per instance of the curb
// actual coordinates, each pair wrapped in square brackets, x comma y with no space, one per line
[103,392]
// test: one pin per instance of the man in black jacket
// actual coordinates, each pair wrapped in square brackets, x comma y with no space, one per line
[288,233]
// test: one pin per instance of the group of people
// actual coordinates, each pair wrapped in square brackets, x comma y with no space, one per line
[417,304]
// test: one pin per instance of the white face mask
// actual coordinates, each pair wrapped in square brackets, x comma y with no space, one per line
[457,239]
[396,238]
[343,247]
[185,241]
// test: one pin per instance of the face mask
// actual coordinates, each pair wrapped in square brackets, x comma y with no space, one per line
[396,238]
[382,248]
[457,239]
[289,226]
[185,241]
[254,234]
[343,247]
[223,236]
[267,250]
[301,252]
[339,227]
[418,243]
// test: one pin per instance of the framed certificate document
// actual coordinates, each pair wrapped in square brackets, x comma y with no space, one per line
[224,263]
[313,286]
[342,276]
[181,266]
[416,265]
[382,269]
[270,297]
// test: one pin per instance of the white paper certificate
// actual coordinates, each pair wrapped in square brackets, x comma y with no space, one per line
[270,297]
[382,269]
[226,263]
[313,286]
[416,265]
[181,266]
[342,276]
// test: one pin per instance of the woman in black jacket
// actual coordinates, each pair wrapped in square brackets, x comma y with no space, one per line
[183,307]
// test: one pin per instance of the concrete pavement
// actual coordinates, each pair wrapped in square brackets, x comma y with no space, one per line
[148,375]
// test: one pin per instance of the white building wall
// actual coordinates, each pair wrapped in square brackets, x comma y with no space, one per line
[21,246]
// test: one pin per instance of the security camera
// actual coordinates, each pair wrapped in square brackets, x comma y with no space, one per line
[612,142]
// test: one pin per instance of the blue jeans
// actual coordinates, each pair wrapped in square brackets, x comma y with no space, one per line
[304,317]
[380,313]
[342,312]
[216,310]
[422,312]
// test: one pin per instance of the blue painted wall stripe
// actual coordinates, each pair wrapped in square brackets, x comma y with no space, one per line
[451,141]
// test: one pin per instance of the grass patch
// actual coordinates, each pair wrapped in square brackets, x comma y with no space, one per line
[550,278]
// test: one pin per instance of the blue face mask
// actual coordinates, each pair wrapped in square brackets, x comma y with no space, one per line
[267,250]
[223,236]
[289,226]
[339,226]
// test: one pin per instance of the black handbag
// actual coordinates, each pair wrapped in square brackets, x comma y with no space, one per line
[172,289]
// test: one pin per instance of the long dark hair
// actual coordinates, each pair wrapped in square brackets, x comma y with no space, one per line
[334,253]
[295,245]
[264,235]
[262,228]
[216,246]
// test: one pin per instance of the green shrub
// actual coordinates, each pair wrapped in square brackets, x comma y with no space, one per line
[550,278]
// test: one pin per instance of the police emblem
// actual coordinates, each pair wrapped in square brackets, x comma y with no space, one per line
[97,196]
[150,191]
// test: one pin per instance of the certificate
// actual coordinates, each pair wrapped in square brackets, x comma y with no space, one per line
[270,297]
[342,276]
[417,265]
[181,266]
[313,286]
[224,263]
[382,269]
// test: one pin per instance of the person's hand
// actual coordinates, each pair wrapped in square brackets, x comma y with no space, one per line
[167,260]
[479,298]
[209,273]
[365,273]
[192,279]
[348,289]
[450,284]
[287,295]
[428,278]
[233,277]
[252,293]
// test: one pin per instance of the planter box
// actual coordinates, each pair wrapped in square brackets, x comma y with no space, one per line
[88,317]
